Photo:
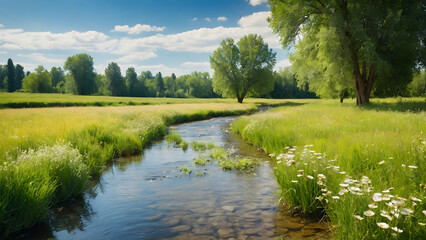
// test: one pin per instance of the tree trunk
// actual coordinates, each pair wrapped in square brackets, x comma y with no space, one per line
[364,80]
[241,97]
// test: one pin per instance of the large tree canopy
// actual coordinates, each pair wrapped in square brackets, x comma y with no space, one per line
[81,69]
[114,80]
[375,42]
[245,68]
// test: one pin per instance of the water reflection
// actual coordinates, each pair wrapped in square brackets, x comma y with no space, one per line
[147,197]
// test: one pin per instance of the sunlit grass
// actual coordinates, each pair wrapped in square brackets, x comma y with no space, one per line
[48,154]
[355,153]
[32,100]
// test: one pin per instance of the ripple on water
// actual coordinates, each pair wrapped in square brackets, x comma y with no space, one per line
[146,197]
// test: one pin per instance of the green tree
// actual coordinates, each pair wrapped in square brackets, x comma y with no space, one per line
[417,87]
[3,74]
[132,82]
[200,85]
[243,69]
[114,79]
[57,75]
[366,39]
[159,84]
[82,71]
[38,82]
[286,86]
[20,74]
[11,78]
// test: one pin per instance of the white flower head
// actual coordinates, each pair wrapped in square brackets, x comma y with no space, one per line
[398,230]
[369,213]
[358,217]
[377,197]
[383,225]
[310,177]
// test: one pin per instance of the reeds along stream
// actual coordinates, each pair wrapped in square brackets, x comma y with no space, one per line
[150,197]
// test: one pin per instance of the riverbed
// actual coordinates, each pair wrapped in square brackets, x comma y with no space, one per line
[148,197]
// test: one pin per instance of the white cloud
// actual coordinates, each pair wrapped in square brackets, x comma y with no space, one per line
[207,19]
[15,39]
[222,19]
[138,28]
[3,52]
[1,25]
[135,56]
[194,19]
[195,64]
[282,64]
[257,2]
[40,58]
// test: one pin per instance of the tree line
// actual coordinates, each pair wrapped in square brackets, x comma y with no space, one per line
[79,77]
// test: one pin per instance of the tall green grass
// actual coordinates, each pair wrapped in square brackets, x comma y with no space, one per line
[355,153]
[48,155]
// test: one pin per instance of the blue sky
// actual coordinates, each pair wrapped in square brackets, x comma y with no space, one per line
[158,35]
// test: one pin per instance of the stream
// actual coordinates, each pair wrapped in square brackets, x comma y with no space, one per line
[148,197]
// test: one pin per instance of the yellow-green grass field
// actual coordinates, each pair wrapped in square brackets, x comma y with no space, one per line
[362,167]
[48,155]
[37,100]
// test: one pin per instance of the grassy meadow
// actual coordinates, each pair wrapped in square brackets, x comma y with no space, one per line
[48,155]
[39,100]
[362,167]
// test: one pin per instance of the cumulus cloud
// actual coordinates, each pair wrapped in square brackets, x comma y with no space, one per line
[194,19]
[15,39]
[282,64]
[257,2]
[135,56]
[1,25]
[39,57]
[138,28]
[195,64]
[207,19]
[222,19]
[131,50]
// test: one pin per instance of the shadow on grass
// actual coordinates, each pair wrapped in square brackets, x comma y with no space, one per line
[399,106]
[288,104]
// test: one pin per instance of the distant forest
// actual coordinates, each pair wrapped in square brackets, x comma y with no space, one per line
[79,77]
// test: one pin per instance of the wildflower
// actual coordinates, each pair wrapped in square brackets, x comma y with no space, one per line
[422,224]
[397,229]
[412,167]
[272,155]
[403,165]
[300,171]
[382,162]
[324,190]
[279,157]
[344,185]
[306,146]
[415,199]
[299,175]
[294,181]
[424,212]
[369,213]
[279,162]
[335,197]
[321,176]
[386,191]
[372,206]
[342,173]
[291,162]
[358,217]
[383,225]
[377,197]
[342,192]
[320,198]
[390,158]
[406,211]
[310,177]
[320,183]
[386,216]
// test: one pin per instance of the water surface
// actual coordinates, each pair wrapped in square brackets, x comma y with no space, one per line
[147,197]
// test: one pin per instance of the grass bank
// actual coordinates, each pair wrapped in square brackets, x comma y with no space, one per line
[363,167]
[42,100]
[48,155]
